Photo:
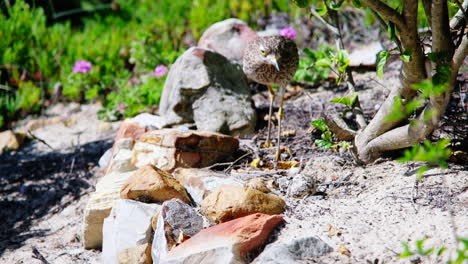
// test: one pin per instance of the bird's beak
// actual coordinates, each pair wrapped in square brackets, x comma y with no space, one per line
[274,61]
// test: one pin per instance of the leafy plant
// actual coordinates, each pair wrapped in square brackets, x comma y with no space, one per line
[327,141]
[420,250]
[435,154]
[315,66]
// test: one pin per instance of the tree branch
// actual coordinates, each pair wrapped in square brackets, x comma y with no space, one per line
[460,54]
[386,11]
[459,16]
[441,29]
[333,29]
[427,4]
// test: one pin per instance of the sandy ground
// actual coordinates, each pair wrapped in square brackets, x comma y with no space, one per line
[43,192]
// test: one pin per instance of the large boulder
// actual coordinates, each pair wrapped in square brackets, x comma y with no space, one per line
[169,149]
[206,88]
[228,37]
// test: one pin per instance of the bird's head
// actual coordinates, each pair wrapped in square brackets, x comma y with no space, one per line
[269,56]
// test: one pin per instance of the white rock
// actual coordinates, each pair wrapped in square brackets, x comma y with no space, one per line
[128,225]
[122,162]
[365,55]
[149,120]
[200,182]
[105,159]
[99,206]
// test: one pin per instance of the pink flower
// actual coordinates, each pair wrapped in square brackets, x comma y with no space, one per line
[160,71]
[288,32]
[82,66]
[120,108]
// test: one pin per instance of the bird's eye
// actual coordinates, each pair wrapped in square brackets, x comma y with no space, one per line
[264,53]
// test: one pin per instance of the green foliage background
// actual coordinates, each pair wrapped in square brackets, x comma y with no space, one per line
[125,41]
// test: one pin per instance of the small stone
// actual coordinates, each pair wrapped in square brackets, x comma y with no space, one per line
[151,184]
[296,251]
[200,182]
[10,140]
[366,55]
[136,255]
[301,186]
[128,225]
[169,149]
[104,127]
[229,242]
[344,250]
[230,202]
[283,183]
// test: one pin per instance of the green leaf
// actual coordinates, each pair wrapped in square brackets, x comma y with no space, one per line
[381,60]
[406,56]
[396,113]
[441,251]
[320,125]
[406,251]
[323,63]
[413,105]
[442,74]
[321,10]
[327,136]
[357,4]
[343,144]
[349,101]
[420,172]
[323,144]
[391,31]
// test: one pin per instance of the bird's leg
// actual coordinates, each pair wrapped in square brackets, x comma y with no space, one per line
[280,117]
[270,113]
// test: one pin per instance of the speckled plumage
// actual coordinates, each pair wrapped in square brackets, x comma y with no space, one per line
[272,60]
[257,66]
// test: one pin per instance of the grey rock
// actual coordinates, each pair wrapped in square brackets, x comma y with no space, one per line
[181,217]
[283,183]
[176,220]
[228,37]
[205,87]
[301,186]
[293,252]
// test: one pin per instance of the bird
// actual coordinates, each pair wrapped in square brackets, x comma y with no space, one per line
[271,60]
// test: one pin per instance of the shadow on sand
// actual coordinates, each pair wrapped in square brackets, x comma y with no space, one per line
[35,185]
